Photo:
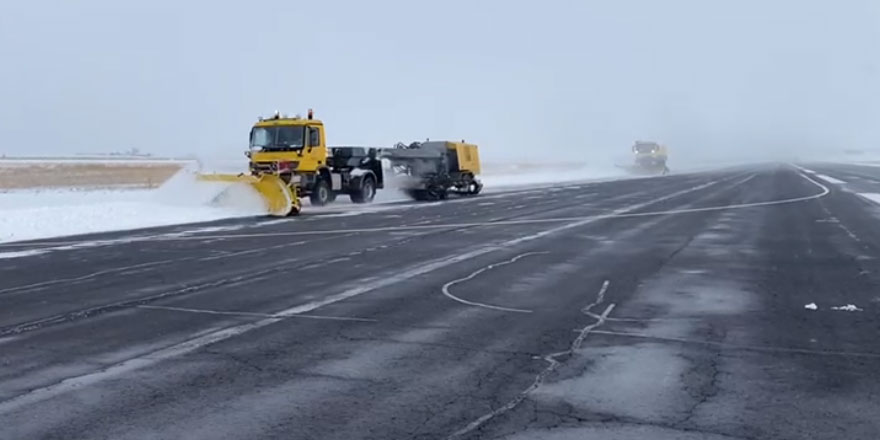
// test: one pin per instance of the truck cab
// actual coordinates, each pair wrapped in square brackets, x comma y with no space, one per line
[650,156]
[295,149]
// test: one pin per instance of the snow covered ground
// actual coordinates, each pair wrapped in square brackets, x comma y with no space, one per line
[44,213]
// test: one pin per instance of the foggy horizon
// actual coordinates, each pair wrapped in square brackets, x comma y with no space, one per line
[565,80]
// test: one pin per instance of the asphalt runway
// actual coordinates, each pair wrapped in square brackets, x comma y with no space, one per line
[674,307]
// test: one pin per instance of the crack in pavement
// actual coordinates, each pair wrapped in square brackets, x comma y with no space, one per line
[577,420]
[551,359]
[706,392]
[755,348]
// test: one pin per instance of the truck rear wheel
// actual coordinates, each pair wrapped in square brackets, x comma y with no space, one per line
[432,194]
[474,187]
[321,193]
[366,191]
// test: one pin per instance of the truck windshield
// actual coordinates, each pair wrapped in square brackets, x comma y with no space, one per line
[278,138]
[645,148]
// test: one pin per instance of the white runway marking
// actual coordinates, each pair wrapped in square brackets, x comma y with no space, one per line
[830,179]
[873,197]
[255,314]
[20,254]
[449,295]
[251,251]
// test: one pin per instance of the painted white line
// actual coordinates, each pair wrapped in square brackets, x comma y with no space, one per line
[872,197]
[216,336]
[206,312]
[539,379]
[830,179]
[750,177]
[254,314]
[251,251]
[20,254]
[449,295]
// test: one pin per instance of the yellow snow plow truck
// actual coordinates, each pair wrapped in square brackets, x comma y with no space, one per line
[650,158]
[289,159]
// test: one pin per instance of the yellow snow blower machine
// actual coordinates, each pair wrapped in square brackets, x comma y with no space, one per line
[431,170]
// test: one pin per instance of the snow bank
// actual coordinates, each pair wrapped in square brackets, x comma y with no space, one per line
[33,214]
[44,213]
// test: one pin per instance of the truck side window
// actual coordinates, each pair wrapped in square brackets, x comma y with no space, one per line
[314,138]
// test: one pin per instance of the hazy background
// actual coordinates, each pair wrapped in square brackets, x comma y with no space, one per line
[568,80]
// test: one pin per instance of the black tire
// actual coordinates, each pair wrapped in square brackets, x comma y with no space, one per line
[365,192]
[435,193]
[321,193]
[474,188]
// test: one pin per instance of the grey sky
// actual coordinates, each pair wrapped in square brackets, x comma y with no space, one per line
[573,78]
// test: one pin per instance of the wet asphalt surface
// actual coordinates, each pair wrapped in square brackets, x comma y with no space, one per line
[662,308]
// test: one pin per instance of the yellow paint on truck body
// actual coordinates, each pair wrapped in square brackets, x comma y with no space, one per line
[309,159]
[468,156]
[280,198]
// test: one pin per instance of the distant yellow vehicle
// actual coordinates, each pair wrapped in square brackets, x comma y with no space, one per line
[650,157]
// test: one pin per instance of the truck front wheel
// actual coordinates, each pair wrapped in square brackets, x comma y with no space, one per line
[321,193]
[365,192]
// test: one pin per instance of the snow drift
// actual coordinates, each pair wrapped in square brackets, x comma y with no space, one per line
[43,213]
[33,214]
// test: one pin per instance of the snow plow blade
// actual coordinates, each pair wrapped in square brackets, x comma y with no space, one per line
[280,198]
